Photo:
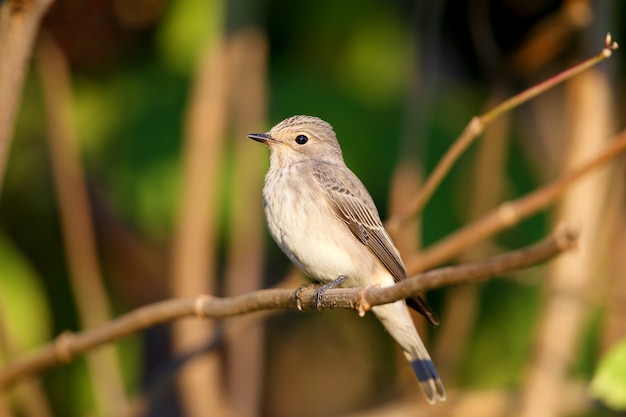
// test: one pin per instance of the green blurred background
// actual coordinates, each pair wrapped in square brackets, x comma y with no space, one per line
[398,80]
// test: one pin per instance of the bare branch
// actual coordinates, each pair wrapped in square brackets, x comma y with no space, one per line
[477,125]
[510,213]
[65,348]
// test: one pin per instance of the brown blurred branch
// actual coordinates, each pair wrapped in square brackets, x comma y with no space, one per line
[77,223]
[478,124]
[550,36]
[510,213]
[194,252]
[485,185]
[19,23]
[573,281]
[65,348]
[244,268]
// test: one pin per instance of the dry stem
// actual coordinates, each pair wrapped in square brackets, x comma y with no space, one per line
[68,345]
[77,223]
[244,267]
[477,125]
[510,213]
[194,252]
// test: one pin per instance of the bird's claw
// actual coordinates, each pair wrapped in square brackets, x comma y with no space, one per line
[319,293]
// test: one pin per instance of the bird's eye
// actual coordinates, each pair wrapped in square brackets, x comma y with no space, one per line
[301,139]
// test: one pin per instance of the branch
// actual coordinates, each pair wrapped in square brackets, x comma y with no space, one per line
[510,213]
[77,223]
[65,348]
[478,124]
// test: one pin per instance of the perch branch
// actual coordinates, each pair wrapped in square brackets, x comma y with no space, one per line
[66,346]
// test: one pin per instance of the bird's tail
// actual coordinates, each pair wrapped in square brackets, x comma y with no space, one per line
[427,376]
[397,320]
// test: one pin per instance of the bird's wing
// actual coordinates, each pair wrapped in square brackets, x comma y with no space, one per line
[352,203]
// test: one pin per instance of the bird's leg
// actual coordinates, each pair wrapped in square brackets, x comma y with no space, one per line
[296,293]
[321,290]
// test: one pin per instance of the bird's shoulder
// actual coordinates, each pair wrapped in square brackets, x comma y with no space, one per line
[353,204]
[342,186]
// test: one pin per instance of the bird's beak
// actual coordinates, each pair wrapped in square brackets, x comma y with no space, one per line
[262,137]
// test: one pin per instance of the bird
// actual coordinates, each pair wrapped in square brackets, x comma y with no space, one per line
[323,218]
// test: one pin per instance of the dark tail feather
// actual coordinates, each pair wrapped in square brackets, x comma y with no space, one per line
[418,304]
[397,320]
[428,379]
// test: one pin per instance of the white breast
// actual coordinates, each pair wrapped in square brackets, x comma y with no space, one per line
[302,223]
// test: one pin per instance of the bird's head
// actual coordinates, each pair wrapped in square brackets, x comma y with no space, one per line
[300,138]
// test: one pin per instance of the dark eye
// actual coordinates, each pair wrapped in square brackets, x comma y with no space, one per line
[301,139]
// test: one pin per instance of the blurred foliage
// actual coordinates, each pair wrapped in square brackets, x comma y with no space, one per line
[609,382]
[134,153]
[24,307]
[353,63]
[500,345]
[185,29]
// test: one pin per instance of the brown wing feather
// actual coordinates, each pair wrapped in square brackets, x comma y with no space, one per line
[355,207]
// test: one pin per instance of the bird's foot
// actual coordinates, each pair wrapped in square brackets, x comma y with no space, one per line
[296,293]
[319,293]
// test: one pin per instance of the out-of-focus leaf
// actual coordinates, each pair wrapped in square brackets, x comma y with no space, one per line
[97,115]
[498,348]
[24,309]
[377,60]
[186,28]
[133,154]
[609,382]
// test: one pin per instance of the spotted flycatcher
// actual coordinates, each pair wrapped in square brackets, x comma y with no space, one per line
[325,221]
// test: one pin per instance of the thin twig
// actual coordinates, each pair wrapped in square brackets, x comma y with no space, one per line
[68,345]
[510,213]
[477,125]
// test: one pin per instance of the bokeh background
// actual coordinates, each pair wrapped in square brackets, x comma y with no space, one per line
[130,180]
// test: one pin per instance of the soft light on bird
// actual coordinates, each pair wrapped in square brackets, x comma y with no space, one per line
[325,221]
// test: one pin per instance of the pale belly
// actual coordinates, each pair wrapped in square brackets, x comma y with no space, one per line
[304,226]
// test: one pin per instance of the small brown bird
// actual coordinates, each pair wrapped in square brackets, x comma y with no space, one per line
[325,221]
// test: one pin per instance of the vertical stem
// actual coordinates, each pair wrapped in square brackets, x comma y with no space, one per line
[194,251]
[572,276]
[77,223]
[405,183]
[244,271]
[486,185]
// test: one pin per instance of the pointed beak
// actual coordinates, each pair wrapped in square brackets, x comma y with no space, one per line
[262,137]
